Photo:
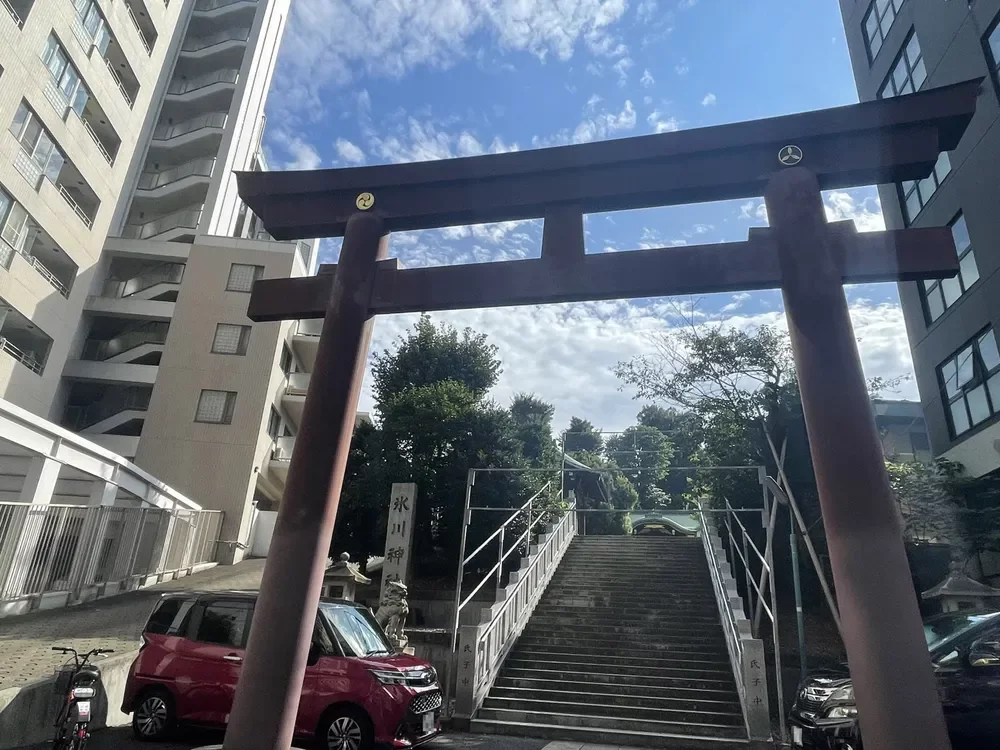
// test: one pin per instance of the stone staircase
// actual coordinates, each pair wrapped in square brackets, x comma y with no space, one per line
[624,648]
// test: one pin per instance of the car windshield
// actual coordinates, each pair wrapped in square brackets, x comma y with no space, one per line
[356,629]
[940,629]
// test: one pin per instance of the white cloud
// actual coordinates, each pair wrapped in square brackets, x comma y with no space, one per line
[593,101]
[647,100]
[621,68]
[300,153]
[601,125]
[331,43]
[645,11]
[709,100]
[647,79]
[866,213]
[566,353]
[661,123]
[349,152]
[682,68]
[468,145]
[685,4]
[738,301]
[499,146]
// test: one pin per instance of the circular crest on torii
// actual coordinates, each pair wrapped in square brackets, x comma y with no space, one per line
[790,155]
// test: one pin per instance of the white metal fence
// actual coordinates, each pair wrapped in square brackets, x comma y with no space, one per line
[90,551]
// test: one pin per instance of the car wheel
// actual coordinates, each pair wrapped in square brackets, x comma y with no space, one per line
[345,729]
[154,716]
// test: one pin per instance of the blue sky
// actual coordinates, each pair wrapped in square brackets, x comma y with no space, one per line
[365,82]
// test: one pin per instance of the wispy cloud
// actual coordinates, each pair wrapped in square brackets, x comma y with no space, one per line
[682,68]
[660,123]
[709,100]
[647,79]
[295,152]
[349,152]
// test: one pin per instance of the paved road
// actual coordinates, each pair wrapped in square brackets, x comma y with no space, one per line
[115,622]
[120,738]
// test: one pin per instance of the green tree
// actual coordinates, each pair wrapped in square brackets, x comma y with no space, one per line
[533,426]
[643,454]
[685,431]
[581,437]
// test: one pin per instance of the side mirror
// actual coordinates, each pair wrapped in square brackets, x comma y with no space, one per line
[315,651]
[985,653]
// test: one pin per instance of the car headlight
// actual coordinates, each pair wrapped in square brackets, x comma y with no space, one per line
[842,712]
[388,677]
[845,693]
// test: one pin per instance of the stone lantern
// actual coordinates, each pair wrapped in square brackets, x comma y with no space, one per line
[957,593]
[342,578]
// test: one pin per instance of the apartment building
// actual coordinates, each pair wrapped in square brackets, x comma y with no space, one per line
[898,47]
[126,255]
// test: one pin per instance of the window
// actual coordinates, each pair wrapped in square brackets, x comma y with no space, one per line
[970,382]
[65,75]
[274,424]
[915,194]
[169,617]
[15,224]
[242,277]
[940,294]
[36,142]
[224,623]
[93,23]
[216,407]
[908,72]
[878,20]
[231,339]
[992,45]
[287,361]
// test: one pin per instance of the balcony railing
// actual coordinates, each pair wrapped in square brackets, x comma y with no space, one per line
[210,120]
[25,358]
[98,350]
[75,206]
[226,35]
[185,85]
[203,6]
[167,273]
[118,82]
[186,218]
[282,450]
[193,168]
[297,384]
[46,274]
[13,13]
[142,37]
[129,399]
[97,141]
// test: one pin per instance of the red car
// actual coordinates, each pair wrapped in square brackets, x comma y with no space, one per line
[356,692]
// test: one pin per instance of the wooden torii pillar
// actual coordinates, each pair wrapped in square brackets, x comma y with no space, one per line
[788,160]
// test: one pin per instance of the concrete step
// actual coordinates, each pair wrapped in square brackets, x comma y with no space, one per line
[649,583]
[629,689]
[583,625]
[614,737]
[718,672]
[728,708]
[580,673]
[609,647]
[621,710]
[567,718]
[640,659]
[623,602]
[601,614]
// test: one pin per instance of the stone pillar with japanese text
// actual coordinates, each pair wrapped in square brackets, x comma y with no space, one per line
[399,535]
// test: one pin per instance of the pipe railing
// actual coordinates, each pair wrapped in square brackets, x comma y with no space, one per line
[88,551]
[118,82]
[203,6]
[186,85]
[100,146]
[25,358]
[202,167]
[482,648]
[166,131]
[142,37]
[99,350]
[197,44]
[13,13]
[186,218]
[77,209]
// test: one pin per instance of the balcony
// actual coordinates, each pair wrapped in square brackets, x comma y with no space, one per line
[188,138]
[128,89]
[281,457]
[102,409]
[81,199]
[218,83]
[173,226]
[142,24]
[200,46]
[17,10]
[40,251]
[216,8]
[294,397]
[190,177]
[132,344]
[305,341]
[23,340]
[160,282]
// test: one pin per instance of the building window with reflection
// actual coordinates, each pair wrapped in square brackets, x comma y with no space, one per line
[940,294]
[877,22]
[908,73]
[970,383]
[915,194]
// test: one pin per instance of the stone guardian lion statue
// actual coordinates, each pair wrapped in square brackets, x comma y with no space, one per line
[392,612]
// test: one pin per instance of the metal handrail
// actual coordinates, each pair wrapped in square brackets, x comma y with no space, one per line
[187,218]
[197,44]
[203,6]
[142,37]
[28,360]
[166,273]
[131,398]
[46,274]
[99,350]
[75,206]
[13,13]
[186,85]
[118,82]
[100,146]
[167,131]
[202,167]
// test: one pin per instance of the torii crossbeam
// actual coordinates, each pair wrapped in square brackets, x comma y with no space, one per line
[788,160]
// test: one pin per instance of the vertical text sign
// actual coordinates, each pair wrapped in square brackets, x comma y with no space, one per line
[399,534]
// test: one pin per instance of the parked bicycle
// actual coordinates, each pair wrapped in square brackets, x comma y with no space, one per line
[77,682]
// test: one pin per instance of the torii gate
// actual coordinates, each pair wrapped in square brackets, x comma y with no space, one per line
[788,160]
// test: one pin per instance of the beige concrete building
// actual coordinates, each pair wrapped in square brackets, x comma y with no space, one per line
[126,256]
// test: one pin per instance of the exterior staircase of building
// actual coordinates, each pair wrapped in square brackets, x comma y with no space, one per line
[626,648]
